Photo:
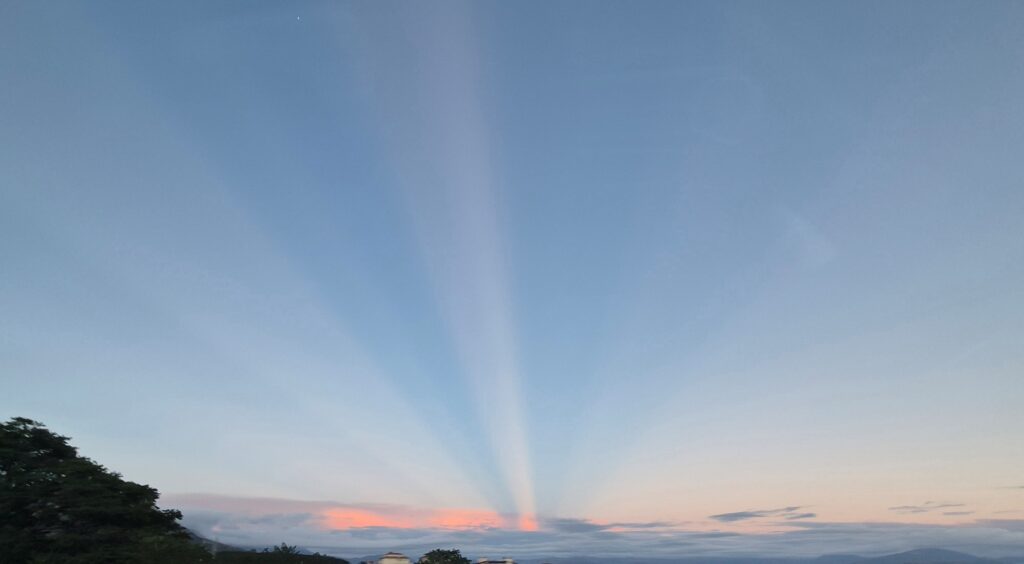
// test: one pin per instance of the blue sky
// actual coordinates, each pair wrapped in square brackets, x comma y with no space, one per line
[524,261]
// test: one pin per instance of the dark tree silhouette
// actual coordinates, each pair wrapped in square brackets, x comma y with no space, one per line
[283,554]
[57,506]
[440,556]
[283,549]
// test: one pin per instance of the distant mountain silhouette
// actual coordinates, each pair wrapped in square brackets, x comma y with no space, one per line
[249,557]
[839,559]
[919,556]
[238,555]
[210,545]
[929,556]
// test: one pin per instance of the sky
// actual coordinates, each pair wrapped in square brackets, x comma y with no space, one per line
[664,278]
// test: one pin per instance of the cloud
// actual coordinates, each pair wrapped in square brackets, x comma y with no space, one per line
[957,512]
[643,525]
[343,516]
[567,525]
[925,507]
[570,525]
[812,244]
[1005,524]
[784,512]
[262,522]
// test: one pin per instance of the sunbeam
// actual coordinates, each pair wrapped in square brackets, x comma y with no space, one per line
[442,150]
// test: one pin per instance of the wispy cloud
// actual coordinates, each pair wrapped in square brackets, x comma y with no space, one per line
[570,525]
[925,507]
[813,244]
[790,513]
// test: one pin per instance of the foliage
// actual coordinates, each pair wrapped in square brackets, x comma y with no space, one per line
[274,556]
[439,556]
[57,506]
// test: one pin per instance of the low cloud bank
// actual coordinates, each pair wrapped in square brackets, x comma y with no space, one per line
[262,522]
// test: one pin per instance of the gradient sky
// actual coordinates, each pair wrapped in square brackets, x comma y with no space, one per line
[675,277]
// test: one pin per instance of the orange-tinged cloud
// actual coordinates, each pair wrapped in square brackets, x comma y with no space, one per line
[527,523]
[350,518]
[338,516]
[398,518]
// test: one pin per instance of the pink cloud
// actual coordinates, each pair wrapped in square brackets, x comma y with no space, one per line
[341,516]
[467,519]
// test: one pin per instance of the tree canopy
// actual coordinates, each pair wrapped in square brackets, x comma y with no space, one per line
[440,556]
[58,506]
